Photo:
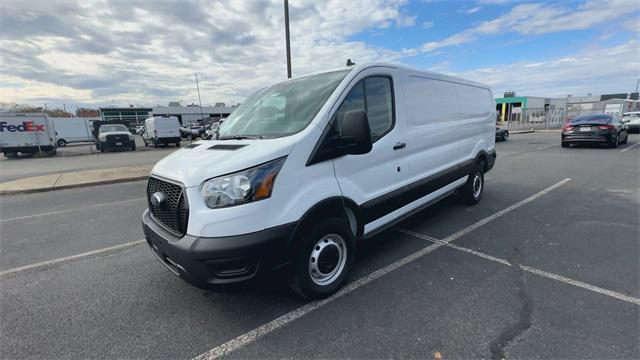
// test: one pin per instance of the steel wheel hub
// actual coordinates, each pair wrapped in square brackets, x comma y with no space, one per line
[477,185]
[327,260]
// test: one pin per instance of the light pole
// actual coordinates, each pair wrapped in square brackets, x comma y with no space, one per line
[199,100]
[286,31]
[637,83]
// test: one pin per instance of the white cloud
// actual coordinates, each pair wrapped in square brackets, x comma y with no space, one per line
[595,70]
[120,51]
[632,24]
[473,10]
[536,19]
[427,24]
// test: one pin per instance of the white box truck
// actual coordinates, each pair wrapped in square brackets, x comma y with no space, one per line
[161,130]
[27,133]
[72,130]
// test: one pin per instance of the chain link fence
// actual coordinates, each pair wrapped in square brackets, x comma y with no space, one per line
[540,118]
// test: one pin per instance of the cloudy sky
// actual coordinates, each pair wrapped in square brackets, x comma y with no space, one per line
[145,52]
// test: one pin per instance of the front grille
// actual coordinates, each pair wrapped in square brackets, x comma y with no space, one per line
[113,139]
[173,212]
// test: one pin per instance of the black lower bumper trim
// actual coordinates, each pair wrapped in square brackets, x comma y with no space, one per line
[207,262]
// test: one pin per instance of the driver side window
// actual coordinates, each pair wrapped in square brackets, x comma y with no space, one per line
[373,95]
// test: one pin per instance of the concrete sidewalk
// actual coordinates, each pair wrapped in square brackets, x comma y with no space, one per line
[75,179]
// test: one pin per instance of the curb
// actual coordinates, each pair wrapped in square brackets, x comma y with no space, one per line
[72,186]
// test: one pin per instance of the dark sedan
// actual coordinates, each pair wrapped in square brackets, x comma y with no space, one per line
[502,134]
[597,128]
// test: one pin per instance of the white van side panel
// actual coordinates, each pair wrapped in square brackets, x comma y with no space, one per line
[450,121]
[73,129]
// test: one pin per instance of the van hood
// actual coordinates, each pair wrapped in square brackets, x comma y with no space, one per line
[204,160]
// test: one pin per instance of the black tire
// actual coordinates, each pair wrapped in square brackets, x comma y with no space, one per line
[565,144]
[133,147]
[505,136]
[103,148]
[337,236]
[626,139]
[472,190]
[614,142]
[62,143]
[177,144]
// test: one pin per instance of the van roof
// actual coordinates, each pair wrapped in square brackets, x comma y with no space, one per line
[429,74]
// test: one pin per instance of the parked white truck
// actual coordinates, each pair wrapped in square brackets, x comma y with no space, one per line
[161,130]
[27,133]
[72,130]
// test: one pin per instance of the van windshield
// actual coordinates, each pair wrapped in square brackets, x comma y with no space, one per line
[282,109]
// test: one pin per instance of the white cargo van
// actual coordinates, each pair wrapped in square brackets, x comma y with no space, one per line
[161,130]
[27,133]
[72,130]
[306,169]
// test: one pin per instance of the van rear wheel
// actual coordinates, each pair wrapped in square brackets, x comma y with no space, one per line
[324,259]
[473,188]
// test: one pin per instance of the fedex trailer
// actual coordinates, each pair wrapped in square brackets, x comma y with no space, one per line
[28,133]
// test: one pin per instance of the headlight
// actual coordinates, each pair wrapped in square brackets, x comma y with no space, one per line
[242,187]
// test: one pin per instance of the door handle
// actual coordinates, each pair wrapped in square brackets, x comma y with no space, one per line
[399,145]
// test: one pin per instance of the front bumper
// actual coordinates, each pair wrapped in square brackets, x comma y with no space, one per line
[207,262]
[168,140]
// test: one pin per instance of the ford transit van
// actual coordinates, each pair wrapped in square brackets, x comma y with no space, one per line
[306,169]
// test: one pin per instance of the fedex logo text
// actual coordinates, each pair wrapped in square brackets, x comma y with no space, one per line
[27,126]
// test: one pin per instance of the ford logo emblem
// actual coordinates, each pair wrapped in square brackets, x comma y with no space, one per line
[157,198]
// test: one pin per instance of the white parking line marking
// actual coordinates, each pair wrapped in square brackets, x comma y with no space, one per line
[72,257]
[71,210]
[253,335]
[629,147]
[546,147]
[504,211]
[530,269]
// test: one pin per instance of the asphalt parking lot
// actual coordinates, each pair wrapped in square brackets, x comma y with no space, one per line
[546,266]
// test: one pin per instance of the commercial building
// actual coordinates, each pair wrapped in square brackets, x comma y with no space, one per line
[511,107]
[191,114]
[134,116]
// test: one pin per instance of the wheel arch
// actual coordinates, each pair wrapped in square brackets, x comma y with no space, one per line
[483,157]
[329,207]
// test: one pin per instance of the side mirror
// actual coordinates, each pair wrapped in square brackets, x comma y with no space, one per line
[355,139]
[356,133]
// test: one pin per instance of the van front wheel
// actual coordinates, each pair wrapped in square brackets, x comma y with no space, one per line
[324,260]
[472,190]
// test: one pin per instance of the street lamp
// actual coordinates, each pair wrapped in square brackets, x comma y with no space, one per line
[199,99]
[286,31]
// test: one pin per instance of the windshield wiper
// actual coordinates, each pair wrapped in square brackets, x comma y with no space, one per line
[239,137]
